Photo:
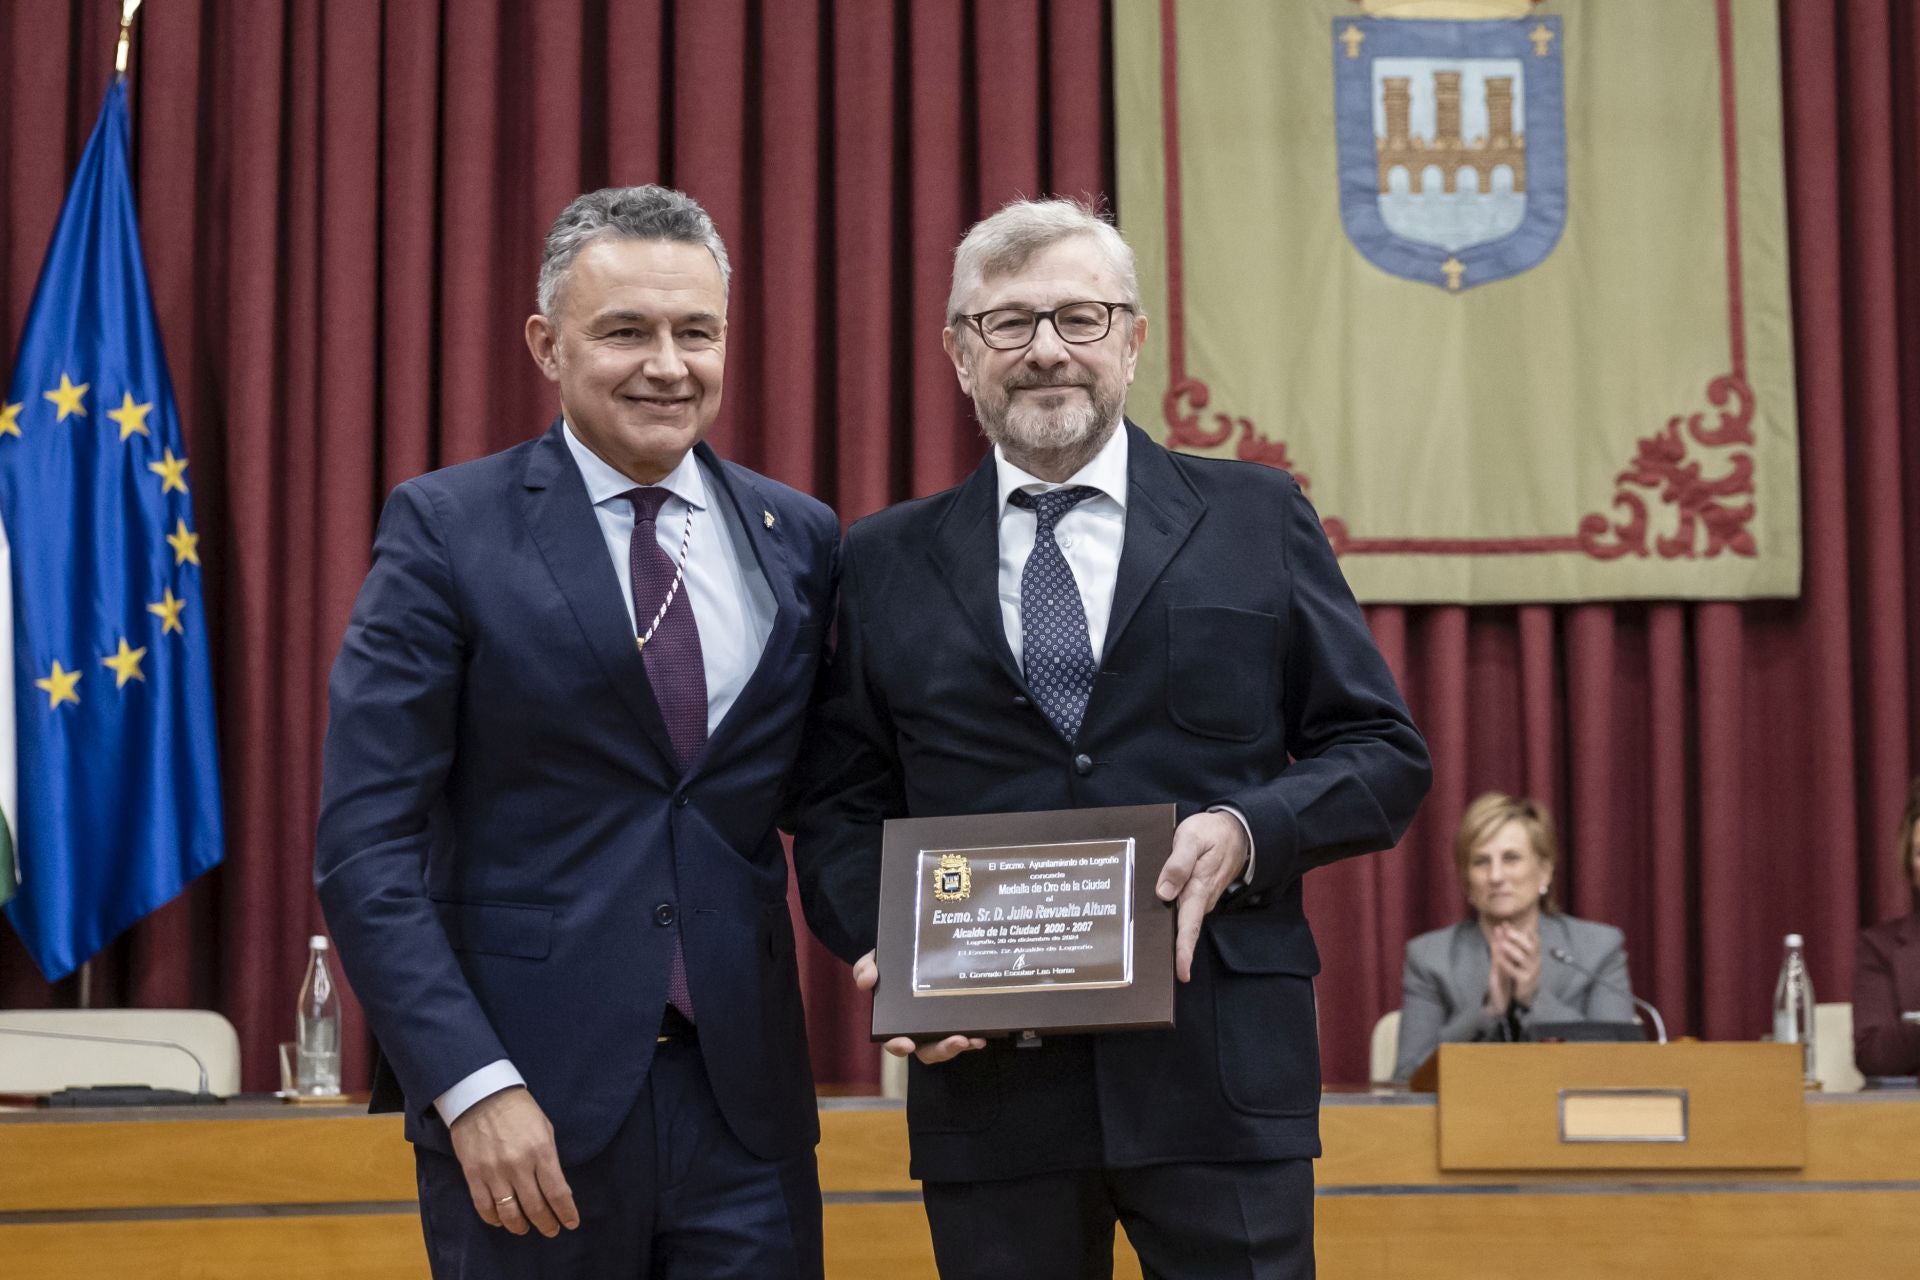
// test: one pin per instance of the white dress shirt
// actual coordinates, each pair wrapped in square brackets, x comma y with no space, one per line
[732,605]
[1091,536]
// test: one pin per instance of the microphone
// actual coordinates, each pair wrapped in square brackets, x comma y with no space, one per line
[1659,1023]
[123,1095]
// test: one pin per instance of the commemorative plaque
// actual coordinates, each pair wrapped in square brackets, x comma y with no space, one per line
[993,924]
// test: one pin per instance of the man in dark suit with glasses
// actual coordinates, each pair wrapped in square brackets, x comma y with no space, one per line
[1092,620]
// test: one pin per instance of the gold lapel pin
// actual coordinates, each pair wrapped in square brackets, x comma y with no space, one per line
[768,517]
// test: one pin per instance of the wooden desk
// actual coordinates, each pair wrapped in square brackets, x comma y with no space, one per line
[256,1190]
[247,1190]
[1386,1210]
[259,1189]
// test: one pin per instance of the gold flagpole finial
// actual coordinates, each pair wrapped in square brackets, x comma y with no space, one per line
[127,10]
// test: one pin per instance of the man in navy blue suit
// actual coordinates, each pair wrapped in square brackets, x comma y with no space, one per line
[563,719]
[1091,620]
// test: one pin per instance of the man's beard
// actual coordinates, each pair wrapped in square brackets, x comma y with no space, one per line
[1025,427]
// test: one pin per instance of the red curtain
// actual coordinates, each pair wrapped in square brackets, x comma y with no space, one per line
[342,203]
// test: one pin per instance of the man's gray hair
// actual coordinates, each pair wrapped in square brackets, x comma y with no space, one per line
[1013,237]
[628,213]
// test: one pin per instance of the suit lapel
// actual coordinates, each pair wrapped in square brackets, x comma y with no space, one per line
[966,553]
[1562,979]
[1162,509]
[561,519]
[739,500]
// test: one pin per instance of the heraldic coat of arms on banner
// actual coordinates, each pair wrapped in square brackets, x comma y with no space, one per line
[1452,141]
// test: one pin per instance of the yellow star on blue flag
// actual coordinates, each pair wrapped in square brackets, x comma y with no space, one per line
[83,871]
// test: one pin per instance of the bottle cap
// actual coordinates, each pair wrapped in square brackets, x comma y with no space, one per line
[1795,940]
[319,942]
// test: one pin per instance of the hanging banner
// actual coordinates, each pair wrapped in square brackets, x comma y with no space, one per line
[1502,282]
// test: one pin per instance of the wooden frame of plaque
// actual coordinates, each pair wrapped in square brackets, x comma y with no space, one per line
[992,924]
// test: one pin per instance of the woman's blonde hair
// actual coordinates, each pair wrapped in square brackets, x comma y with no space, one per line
[1495,809]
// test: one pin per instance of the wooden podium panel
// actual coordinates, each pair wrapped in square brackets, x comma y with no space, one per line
[343,1247]
[237,1192]
[1775,1234]
[254,1190]
[245,1192]
[1386,1210]
[1621,1106]
[250,1154]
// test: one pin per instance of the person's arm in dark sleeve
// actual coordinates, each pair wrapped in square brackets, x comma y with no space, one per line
[1359,767]
[393,700]
[849,785]
[1883,1045]
[788,817]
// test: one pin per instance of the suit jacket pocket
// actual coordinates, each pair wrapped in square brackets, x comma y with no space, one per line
[1222,665]
[498,928]
[959,1096]
[1264,1018]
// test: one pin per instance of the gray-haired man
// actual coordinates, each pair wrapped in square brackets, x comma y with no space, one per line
[562,723]
[1091,620]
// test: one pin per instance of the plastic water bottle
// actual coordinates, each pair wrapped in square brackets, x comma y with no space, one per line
[1793,1005]
[317,1030]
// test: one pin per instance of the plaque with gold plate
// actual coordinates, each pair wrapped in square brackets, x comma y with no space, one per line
[1008,923]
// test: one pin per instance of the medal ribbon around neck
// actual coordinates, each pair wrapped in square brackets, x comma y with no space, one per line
[673,589]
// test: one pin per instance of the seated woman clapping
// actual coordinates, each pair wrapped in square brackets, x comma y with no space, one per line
[1516,961]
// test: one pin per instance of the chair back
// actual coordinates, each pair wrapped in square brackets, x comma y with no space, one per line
[1384,1048]
[33,1064]
[1833,1048]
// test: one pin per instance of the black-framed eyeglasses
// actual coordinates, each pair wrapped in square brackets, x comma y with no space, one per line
[1011,328]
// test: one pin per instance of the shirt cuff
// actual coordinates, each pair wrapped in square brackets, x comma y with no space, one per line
[482,1084]
[1246,873]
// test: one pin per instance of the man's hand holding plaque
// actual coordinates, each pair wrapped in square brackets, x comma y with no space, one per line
[865,974]
[1209,854]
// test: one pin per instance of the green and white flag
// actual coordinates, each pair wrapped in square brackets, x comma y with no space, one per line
[9,795]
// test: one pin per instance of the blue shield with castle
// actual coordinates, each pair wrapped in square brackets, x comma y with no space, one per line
[1453,145]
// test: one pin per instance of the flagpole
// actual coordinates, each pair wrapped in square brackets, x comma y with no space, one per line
[120,54]
[127,9]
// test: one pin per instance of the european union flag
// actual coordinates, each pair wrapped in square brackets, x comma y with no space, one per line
[118,770]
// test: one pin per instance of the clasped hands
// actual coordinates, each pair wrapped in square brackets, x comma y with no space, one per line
[1513,971]
[1209,853]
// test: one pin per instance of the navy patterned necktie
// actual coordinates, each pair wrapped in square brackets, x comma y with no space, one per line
[674,668]
[1053,621]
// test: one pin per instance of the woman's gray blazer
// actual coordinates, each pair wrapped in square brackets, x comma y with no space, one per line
[1444,985]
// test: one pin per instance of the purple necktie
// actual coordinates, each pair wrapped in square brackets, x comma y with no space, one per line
[674,668]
